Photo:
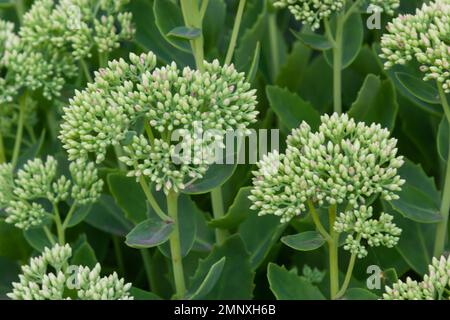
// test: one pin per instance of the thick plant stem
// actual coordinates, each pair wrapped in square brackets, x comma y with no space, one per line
[20,9]
[333,244]
[2,150]
[175,246]
[146,258]
[348,276]
[151,199]
[86,71]
[218,211]
[119,257]
[59,225]
[442,227]
[49,236]
[20,127]
[274,46]
[337,64]
[317,222]
[235,32]
[193,19]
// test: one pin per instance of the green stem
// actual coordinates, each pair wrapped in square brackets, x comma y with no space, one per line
[218,212]
[20,9]
[20,126]
[49,236]
[59,225]
[119,256]
[146,258]
[235,32]
[151,199]
[2,150]
[348,275]
[203,8]
[274,39]
[352,9]
[442,227]
[69,216]
[86,72]
[337,64]
[119,153]
[175,246]
[317,222]
[333,244]
[193,19]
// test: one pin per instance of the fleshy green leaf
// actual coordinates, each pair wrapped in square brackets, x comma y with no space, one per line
[416,241]
[149,233]
[313,40]
[286,285]
[359,294]
[140,294]
[419,198]
[352,40]
[260,235]
[291,109]
[217,174]
[149,38]
[129,196]
[419,88]
[168,16]
[84,255]
[108,217]
[37,239]
[210,280]
[237,212]
[376,103]
[79,215]
[236,280]
[247,43]
[305,241]
[293,71]
[185,33]
[12,242]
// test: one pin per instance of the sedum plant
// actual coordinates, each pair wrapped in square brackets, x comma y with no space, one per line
[138,108]
[28,195]
[336,17]
[423,37]
[152,125]
[53,41]
[341,168]
[51,277]
[435,284]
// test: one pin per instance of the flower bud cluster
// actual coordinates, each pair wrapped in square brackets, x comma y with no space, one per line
[343,162]
[435,284]
[313,12]
[422,37]
[49,277]
[359,226]
[21,195]
[166,100]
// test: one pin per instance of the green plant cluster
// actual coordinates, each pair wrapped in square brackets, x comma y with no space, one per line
[224,149]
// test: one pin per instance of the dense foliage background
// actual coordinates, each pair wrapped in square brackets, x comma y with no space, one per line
[294,82]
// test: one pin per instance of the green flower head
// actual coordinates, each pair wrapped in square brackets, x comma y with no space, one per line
[343,162]
[140,107]
[422,37]
[50,277]
[435,284]
[21,194]
[313,12]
